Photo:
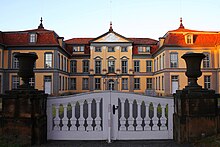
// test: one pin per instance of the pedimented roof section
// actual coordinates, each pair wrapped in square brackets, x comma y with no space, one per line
[111,37]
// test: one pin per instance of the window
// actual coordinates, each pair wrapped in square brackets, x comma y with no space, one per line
[61,62]
[159,83]
[173,60]
[15,82]
[149,83]
[155,64]
[78,48]
[136,83]
[206,60]
[48,60]
[98,49]
[207,82]
[162,82]
[33,38]
[144,49]
[32,82]
[148,49]
[85,84]
[73,66]
[98,67]
[141,49]
[60,83]
[86,66]
[111,49]
[163,60]
[72,83]
[97,84]
[149,66]
[64,64]
[124,49]
[124,66]
[63,84]
[156,83]
[124,84]
[136,66]
[111,66]
[15,63]
[58,61]
[189,39]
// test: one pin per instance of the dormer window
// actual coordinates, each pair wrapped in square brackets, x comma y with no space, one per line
[144,49]
[189,39]
[33,37]
[78,48]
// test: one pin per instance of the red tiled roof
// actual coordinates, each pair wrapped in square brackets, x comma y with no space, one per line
[78,41]
[1,38]
[199,39]
[44,37]
[143,40]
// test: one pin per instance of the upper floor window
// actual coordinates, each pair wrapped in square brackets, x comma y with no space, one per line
[124,49]
[173,60]
[189,39]
[149,83]
[149,66]
[111,49]
[33,37]
[136,66]
[78,48]
[98,49]
[111,66]
[124,66]
[98,67]
[86,66]
[58,61]
[144,49]
[48,60]
[15,63]
[73,66]
[206,60]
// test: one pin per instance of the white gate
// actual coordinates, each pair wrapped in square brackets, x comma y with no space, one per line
[109,116]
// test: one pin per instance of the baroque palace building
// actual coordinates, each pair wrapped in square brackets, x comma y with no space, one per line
[110,61]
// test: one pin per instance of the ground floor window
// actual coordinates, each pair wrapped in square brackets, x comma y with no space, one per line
[32,82]
[149,83]
[97,84]
[207,82]
[136,83]
[15,82]
[73,84]
[85,84]
[124,84]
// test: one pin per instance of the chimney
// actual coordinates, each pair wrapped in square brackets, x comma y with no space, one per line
[60,40]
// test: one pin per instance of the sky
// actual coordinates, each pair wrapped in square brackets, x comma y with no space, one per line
[91,18]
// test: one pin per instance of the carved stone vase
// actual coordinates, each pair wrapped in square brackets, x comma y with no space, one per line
[193,64]
[26,65]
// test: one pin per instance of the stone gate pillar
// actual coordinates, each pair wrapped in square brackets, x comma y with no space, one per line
[195,108]
[24,119]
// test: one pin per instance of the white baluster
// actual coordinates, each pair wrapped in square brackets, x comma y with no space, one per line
[122,119]
[81,118]
[155,118]
[65,118]
[139,119]
[57,118]
[163,118]
[147,118]
[130,118]
[98,118]
[73,119]
[89,119]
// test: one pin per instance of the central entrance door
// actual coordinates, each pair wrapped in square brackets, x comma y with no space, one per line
[111,84]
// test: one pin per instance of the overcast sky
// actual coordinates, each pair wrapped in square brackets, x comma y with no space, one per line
[91,18]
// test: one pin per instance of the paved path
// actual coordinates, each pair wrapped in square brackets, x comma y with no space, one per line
[114,144]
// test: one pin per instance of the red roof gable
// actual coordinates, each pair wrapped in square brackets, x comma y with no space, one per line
[143,41]
[78,41]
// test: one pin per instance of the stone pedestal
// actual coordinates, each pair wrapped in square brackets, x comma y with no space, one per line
[24,117]
[195,114]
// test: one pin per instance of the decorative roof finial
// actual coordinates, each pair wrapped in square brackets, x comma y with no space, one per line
[181,23]
[110,29]
[41,24]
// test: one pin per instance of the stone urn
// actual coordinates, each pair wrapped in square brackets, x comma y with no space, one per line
[193,65]
[26,65]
